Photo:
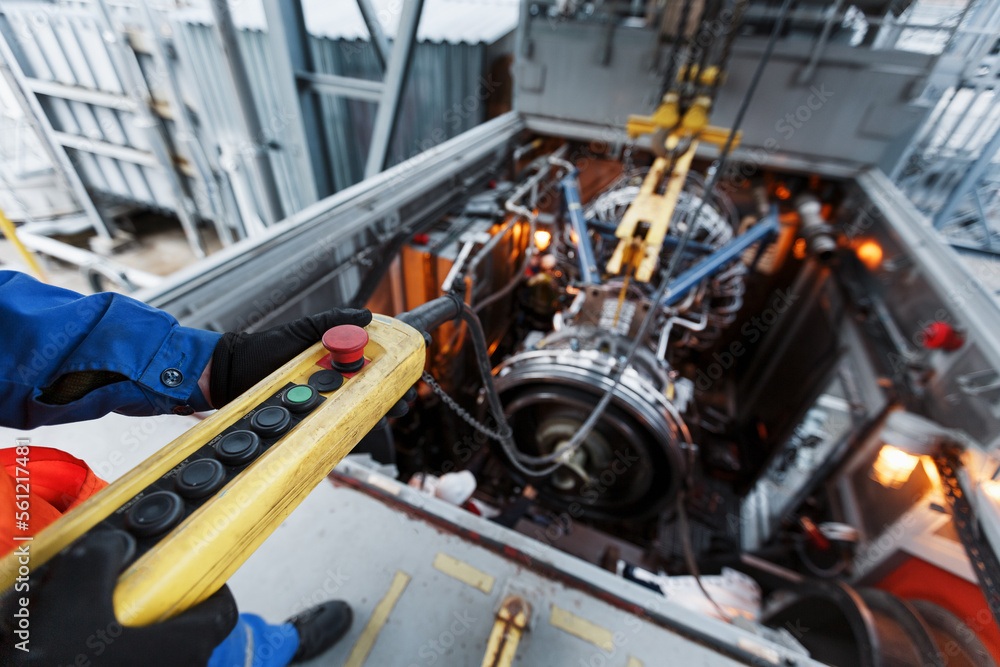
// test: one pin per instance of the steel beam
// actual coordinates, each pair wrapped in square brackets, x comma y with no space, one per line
[378,39]
[98,147]
[213,293]
[347,86]
[289,46]
[395,83]
[259,165]
[64,91]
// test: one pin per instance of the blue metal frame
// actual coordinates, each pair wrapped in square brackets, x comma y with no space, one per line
[767,226]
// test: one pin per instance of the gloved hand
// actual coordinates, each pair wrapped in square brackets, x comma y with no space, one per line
[72,618]
[241,360]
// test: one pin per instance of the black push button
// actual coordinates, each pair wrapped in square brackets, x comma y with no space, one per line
[237,448]
[127,541]
[300,398]
[325,380]
[154,514]
[200,478]
[271,421]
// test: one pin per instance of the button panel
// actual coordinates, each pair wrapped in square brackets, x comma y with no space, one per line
[165,503]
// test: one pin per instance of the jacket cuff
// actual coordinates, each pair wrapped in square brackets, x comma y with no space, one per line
[172,375]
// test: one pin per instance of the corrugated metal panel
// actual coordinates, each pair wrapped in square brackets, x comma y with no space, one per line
[470,21]
[442,98]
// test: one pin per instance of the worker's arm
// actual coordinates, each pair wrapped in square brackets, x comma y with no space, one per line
[66,357]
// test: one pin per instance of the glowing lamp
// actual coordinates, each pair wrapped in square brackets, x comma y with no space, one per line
[893,467]
[870,254]
[800,249]
[542,239]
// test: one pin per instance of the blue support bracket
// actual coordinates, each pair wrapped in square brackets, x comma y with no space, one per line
[678,289]
[589,273]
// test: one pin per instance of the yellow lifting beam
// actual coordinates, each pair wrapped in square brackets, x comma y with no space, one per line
[647,220]
[648,217]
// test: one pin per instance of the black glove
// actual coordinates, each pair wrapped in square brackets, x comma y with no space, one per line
[241,360]
[71,615]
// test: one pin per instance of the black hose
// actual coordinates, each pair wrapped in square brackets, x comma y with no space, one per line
[432,314]
[486,370]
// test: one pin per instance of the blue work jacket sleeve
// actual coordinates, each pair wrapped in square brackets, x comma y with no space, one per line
[47,332]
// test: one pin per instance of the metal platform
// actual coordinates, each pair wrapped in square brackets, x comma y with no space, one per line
[427,581]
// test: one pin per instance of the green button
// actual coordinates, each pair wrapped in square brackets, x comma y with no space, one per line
[299,394]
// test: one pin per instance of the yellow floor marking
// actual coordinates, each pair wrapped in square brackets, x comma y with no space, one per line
[582,628]
[464,572]
[633,662]
[366,641]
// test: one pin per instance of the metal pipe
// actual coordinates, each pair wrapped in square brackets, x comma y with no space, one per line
[346,86]
[261,170]
[719,259]
[456,268]
[129,278]
[589,273]
[813,228]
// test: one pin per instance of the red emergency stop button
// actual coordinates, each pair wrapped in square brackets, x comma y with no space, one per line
[942,336]
[346,344]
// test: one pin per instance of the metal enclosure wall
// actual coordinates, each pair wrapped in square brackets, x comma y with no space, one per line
[858,107]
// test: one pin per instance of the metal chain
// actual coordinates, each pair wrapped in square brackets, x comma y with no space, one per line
[458,410]
[980,552]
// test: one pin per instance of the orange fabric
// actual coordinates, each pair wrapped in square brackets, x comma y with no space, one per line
[56,483]
[916,579]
